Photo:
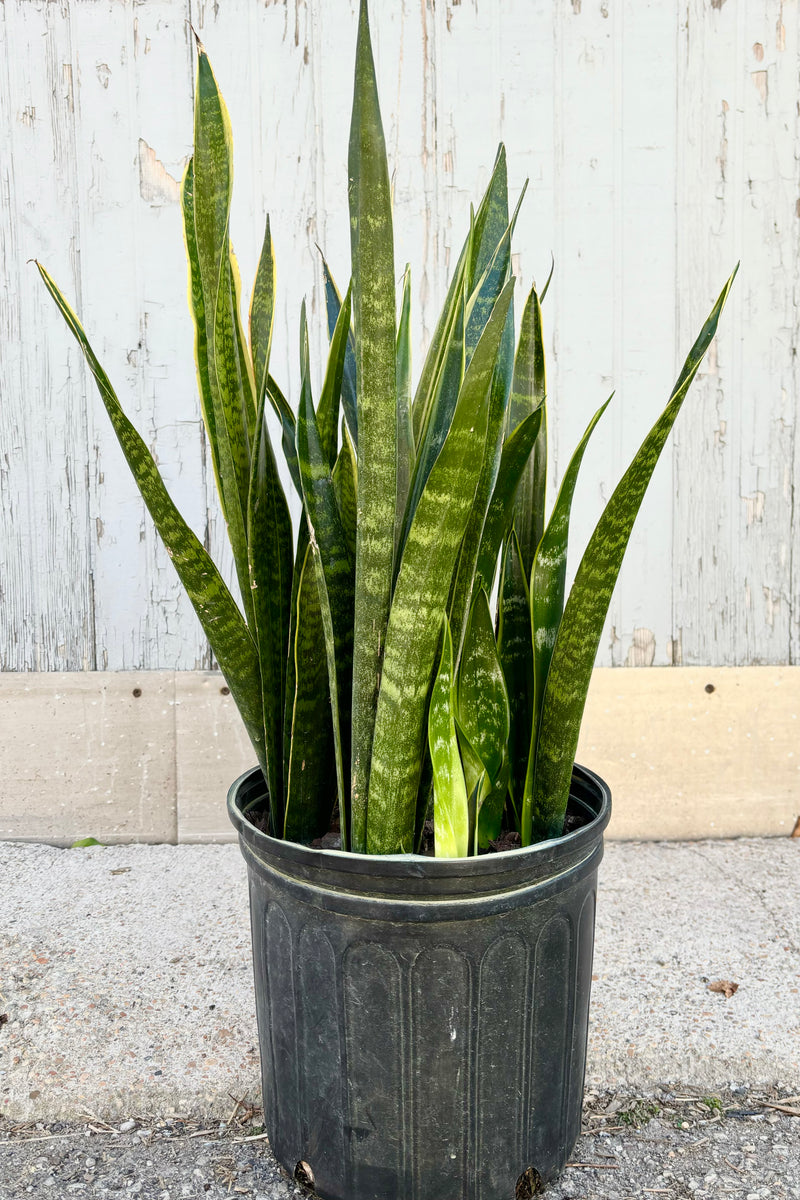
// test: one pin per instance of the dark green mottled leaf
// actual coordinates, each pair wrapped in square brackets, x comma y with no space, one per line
[345,488]
[527,396]
[405,429]
[213,177]
[262,315]
[485,232]
[548,578]
[465,581]
[515,650]
[333,305]
[451,814]
[280,406]
[372,250]
[310,769]
[334,572]
[483,712]
[197,309]
[513,460]
[585,611]
[420,598]
[269,539]
[228,635]
[328,411]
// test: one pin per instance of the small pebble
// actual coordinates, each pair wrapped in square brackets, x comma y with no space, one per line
[127,1126]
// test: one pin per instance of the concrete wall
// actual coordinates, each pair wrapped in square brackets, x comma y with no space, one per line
[148,756]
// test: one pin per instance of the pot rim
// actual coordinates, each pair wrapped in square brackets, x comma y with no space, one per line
[588,790]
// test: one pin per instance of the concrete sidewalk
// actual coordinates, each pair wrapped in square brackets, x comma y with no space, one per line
[125,975]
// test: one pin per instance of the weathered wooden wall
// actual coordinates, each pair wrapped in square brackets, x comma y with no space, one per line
[661,142]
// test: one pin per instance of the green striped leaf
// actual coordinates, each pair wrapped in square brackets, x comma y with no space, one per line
[328,411]
[420,597]
[491,220]
[490,283]
[222,622]
[262,316]
[374,309]
[213,178]
[197,309]
[280,406]
[547,585]
[334,571]
[486,229]
[450,809]
[585,611]
[269,540]
[549,575]
[513,460]
[528,391]
[290,686]
[345,488]
[333,306]
[461,598]
[483,712]
[515,651]
[432,436]
[310,761]
[246,377]
[405,428]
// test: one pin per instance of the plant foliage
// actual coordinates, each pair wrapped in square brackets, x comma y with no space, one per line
[370,670]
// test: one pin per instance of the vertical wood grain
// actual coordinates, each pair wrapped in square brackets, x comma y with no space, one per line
[661,143]
[46,610]
[735,527]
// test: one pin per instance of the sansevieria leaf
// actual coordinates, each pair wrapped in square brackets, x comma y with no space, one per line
[548,578]
[262,315]
[547,584]
[450,809]
[515,456]
[405,429]
[515,651]
[228,635]
[328,411]
[420,596]
[485,232]
[197,309]
[585,611]
[334,570]
[373,285]
[528,392]
[333,306]
[229,384]
[269,540]
[482,697]
[310,764]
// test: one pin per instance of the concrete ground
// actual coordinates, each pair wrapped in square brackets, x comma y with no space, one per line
[125,981]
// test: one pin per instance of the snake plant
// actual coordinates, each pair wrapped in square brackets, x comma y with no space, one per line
[374,676]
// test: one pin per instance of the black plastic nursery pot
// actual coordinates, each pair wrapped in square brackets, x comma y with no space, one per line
[422,1021]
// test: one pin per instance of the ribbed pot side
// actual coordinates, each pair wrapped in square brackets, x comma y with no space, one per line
[422,1022]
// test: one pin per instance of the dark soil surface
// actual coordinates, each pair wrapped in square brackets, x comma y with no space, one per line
[673,1144]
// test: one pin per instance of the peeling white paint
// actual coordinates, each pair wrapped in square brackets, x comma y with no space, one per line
[660,149]
[156,185]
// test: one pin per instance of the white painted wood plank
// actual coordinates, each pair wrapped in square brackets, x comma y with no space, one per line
[600,103]
[130,149]
[738,189]
[45,582]
[586,295]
